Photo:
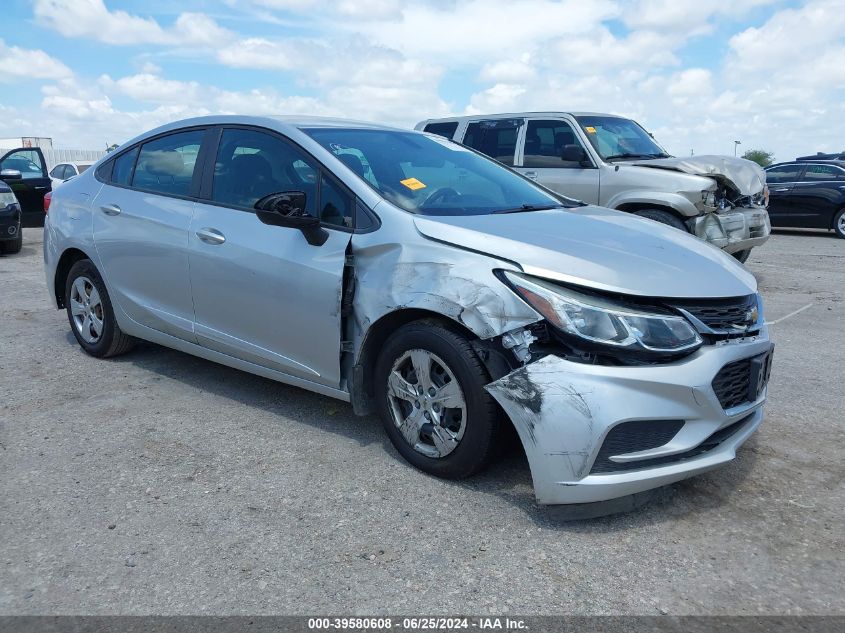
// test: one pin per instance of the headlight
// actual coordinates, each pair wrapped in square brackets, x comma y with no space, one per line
[7,198]
[708,198]
[601,322]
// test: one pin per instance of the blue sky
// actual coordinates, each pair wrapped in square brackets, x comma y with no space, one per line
[698,73]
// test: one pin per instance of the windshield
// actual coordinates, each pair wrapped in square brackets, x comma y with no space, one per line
[429,175]
[615,138]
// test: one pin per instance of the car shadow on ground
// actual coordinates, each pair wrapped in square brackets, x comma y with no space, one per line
[508,479]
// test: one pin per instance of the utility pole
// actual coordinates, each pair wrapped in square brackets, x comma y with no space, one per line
[736,144]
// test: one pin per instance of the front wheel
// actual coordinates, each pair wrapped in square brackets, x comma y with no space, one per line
[430,392]
[90,313]
[839,223]
[664,217]
[14,246]
[742,256]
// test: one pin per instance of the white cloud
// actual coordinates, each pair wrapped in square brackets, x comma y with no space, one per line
[92,19]
[17,64]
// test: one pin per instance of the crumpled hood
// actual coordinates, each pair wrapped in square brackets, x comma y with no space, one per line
[743,175]
[601,249]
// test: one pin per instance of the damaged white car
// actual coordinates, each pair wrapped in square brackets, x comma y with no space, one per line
[411,276]
[613,162]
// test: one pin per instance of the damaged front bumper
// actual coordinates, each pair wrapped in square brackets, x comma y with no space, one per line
[564,412]
[733,230]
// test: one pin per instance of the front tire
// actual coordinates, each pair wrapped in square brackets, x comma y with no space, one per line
[742,256]
[90,313]
[839,224]
[14,246]
[429,385]
[664,217]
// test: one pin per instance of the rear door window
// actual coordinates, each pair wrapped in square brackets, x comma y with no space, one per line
[445,129]
[821,173]
[166,164]
[495,137]
[123,166]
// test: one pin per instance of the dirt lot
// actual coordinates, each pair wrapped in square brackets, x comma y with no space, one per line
[161,483]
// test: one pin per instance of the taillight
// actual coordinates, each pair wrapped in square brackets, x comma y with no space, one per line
[47,197]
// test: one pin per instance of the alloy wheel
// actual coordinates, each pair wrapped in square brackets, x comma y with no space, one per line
[86,307]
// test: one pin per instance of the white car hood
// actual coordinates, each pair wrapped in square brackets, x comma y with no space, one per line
[745,176]
[601,249]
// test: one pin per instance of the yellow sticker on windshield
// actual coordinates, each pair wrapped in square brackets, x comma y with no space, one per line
[590,129]
[412,183]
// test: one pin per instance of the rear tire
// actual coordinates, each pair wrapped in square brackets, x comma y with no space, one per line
[448,357]
[839,223]
[742,256]
[90,313]
[664,217]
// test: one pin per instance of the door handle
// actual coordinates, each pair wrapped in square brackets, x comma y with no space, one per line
[211,236]
[530,174]
[781,190]
[110,209]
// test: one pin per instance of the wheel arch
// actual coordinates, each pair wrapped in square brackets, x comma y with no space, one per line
[361,390]
[69,257]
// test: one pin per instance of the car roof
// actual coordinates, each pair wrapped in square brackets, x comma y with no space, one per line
[505,115]
[835,163]
[281,123]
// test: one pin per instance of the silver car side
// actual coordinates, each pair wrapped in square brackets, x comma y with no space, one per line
[432,320]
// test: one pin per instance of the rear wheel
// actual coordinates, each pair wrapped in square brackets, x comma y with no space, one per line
[90,313]
[839,223]
[429,386]
[664,217]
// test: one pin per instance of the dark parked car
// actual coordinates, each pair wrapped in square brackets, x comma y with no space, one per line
[808,195]
[10,220]
[25,171]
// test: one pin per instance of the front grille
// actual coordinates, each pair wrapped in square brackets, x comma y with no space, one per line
[732,382]
[730,315]
[630,437]
[707,445]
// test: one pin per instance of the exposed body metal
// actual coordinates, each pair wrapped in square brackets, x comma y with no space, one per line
[263,300]
[672,184]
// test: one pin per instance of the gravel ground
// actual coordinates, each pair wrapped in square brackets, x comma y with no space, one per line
[162,483]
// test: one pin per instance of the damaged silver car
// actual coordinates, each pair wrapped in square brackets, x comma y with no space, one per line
[417,278]
[612,161]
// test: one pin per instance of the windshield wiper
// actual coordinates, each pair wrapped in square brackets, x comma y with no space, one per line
[530,207]
[630,155]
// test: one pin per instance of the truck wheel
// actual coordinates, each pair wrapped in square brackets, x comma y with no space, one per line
[742,256]
[664,217]
[839,223]
[430,394]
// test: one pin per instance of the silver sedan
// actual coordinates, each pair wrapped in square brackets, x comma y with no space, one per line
[416,278]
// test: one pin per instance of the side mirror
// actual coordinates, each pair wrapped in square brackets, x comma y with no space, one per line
[287,208]
[10,174]
[574,154]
